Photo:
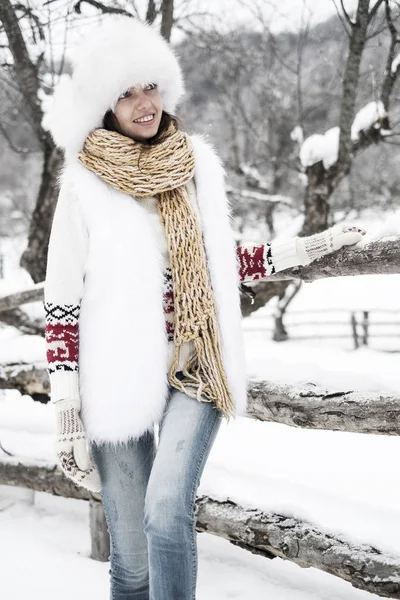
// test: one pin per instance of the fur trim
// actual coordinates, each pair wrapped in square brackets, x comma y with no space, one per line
[117,54]
[123,355]
[122,339]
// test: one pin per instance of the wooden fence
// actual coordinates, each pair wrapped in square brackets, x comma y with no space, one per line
[362,325]
[268,534]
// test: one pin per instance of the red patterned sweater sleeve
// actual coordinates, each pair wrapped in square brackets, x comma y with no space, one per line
[63,290]
[258,261]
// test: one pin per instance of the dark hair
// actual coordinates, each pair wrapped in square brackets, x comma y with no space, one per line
[111,123]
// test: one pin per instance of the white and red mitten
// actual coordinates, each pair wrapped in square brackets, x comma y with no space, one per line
[71,446]
[315,246]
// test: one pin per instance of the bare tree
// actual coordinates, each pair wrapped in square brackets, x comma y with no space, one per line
[321,181]
[25,73]
[25,76]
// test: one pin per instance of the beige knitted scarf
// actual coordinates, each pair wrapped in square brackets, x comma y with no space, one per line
[163,170]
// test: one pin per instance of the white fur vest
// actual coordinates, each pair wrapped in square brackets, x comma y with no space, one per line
[122,339]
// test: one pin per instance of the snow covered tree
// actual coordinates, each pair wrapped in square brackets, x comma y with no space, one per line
[328,159]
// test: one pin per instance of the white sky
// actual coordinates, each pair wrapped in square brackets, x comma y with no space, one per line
[278,14]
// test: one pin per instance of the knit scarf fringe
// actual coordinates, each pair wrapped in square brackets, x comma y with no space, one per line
[163,170]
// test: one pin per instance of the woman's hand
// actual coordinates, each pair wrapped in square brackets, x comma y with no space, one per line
[71,446]
[315,246]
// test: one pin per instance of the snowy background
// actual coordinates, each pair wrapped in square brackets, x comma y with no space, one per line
[343,483]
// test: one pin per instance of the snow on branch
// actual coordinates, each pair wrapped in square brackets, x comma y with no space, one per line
[246,195]
[395,64]
[325,148]
[317,148]
[371,115]
[297,135]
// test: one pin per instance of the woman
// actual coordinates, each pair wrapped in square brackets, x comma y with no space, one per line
[143,321]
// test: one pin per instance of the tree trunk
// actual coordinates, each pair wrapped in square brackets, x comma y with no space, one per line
[167,18]
[34,258]
[316,206]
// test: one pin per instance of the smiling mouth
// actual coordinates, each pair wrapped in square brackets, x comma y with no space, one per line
[146,120]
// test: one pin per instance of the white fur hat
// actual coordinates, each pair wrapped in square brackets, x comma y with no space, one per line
[117,54]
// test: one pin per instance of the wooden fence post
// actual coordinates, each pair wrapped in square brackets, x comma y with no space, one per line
[99,535]
[354,330]
[365,324]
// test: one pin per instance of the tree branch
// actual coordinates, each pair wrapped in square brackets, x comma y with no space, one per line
[346,15]
[103,8]
[375,9]
[151,12]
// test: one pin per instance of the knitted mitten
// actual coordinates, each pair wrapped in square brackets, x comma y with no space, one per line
[315,246]
[71,446]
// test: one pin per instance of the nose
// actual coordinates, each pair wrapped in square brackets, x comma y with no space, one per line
[141,102]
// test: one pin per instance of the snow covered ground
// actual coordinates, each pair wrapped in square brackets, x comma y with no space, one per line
[342,482]
[45,551]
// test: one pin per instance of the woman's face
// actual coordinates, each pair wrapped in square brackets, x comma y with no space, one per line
[139,111]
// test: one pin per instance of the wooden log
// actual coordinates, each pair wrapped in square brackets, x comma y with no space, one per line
[307,405]
[312,407]
[20,320]
[27,378]
[267,534]
[38,475]
[376,258]
[33,294]
[271,535]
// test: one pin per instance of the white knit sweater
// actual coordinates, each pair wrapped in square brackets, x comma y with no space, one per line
[64,285]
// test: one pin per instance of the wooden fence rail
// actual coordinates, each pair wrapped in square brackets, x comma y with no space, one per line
[268,534]
[359,330]
[307,406]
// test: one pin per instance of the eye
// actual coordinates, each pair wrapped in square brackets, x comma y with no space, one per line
[125,94]
[150,86]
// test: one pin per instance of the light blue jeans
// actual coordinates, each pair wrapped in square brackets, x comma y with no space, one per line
[148,496]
